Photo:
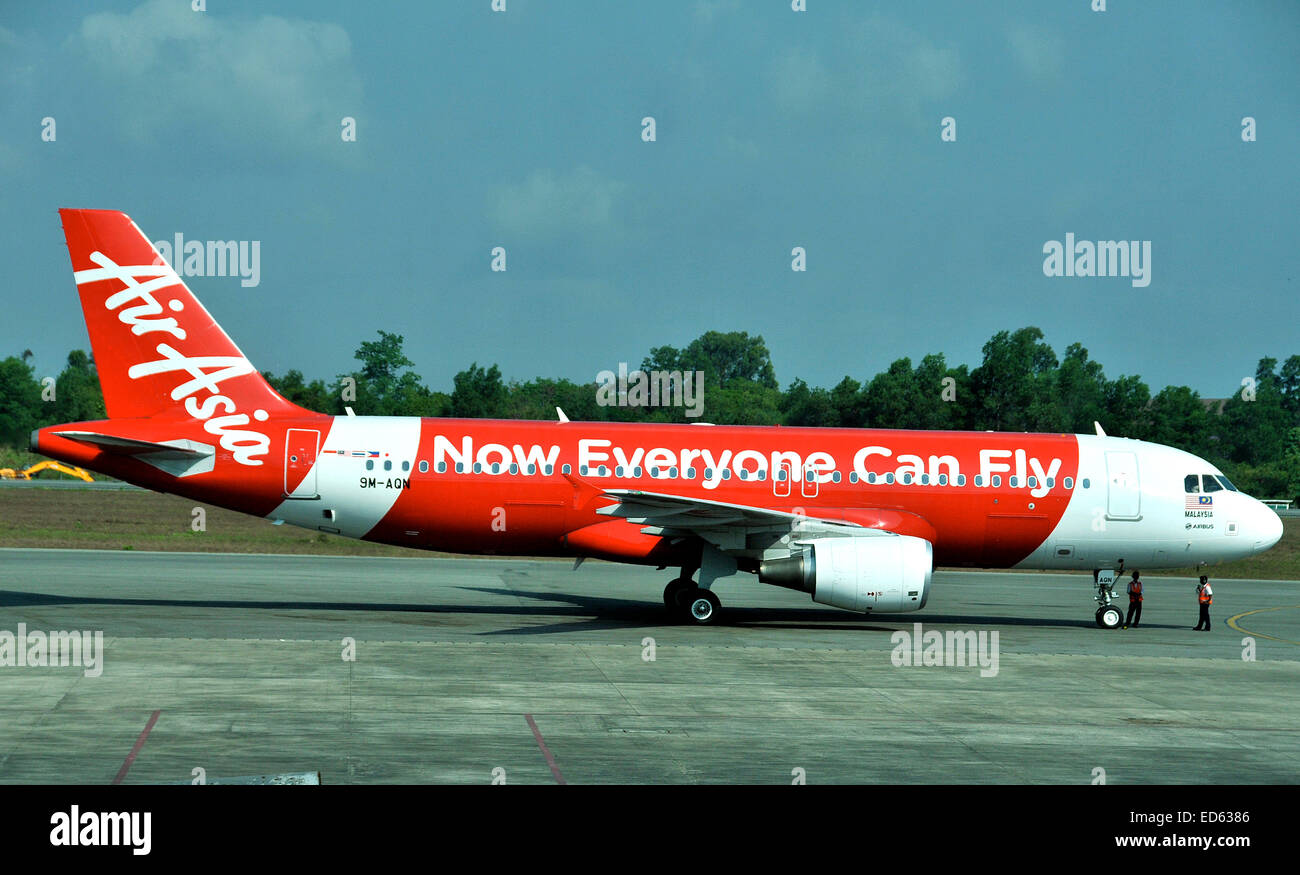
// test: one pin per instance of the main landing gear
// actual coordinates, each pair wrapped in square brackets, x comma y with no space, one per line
[689,602]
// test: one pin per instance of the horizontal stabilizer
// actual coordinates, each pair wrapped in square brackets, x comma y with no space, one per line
[180,458]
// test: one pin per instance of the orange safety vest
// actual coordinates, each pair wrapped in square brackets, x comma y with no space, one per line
[1136,594]
[1204,597]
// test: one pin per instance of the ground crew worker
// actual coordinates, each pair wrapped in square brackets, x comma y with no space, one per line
[1134,602]
[1204,595]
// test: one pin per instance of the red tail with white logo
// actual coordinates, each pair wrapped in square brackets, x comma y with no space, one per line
[188,413]
[156,347]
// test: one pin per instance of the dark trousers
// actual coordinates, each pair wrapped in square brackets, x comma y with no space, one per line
[1134,612]
[1203,624]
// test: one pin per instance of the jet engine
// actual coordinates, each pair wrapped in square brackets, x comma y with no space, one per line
[884,573]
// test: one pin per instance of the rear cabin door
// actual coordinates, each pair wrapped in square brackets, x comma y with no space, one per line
[300,448]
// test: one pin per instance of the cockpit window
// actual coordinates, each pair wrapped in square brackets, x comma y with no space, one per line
[1191,483]
[1227,484]
[1211,484]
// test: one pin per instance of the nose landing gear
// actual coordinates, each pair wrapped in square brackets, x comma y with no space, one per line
[1109,616]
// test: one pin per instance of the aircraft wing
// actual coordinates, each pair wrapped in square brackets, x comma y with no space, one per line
[735,529]
[677,511]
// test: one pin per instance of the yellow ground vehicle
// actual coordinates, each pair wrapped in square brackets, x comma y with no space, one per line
[49,464]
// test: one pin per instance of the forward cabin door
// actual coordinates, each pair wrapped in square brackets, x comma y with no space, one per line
[1124,500]
[300,448]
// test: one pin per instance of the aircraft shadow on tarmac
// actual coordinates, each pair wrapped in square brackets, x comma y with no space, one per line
[580,612]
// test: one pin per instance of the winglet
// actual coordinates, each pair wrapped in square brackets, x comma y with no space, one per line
[1100,433]
[560,413]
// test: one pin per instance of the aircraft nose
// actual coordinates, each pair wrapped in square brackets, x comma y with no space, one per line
[1268,528]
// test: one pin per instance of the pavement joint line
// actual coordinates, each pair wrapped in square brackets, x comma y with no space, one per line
[139,743]
[546,752]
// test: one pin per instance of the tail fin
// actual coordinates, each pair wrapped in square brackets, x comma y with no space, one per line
[156,349]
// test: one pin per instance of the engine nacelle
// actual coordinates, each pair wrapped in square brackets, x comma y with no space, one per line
[888,574]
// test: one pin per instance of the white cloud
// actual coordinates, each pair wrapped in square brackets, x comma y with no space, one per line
[875,61]
[799,79]
[282,83]
[547,203]
[1038,51]
[706,11]
[900,62]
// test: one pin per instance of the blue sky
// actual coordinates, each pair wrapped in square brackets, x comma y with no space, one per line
[775,129]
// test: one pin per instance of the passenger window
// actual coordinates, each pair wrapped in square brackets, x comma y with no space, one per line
[388,464]
[370,464]
[1211,485]
[1191,483]
[424,467]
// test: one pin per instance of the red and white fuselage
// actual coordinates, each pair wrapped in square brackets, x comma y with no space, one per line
[189,415]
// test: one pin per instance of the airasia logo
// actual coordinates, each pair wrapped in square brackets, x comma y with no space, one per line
[205,373]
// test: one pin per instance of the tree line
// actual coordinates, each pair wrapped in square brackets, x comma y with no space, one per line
[1020,385]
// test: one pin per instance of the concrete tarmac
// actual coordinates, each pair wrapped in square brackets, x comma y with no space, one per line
[475,670]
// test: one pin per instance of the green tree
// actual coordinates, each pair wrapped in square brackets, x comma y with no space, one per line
[478,393]
[801,405]
[1013,385]
[726,359]
[537,399]
[1178,418]
[313,396]
[385,386]
[77,395]
[1254,431]
[20,401]
[1126,405]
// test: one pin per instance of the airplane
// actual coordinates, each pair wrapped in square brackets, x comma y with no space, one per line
[856,518]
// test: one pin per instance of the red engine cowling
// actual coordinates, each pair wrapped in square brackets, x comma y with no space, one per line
[882,573]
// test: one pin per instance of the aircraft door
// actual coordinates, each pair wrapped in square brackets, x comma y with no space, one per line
[781,478]
[1124,493]
[300,448]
